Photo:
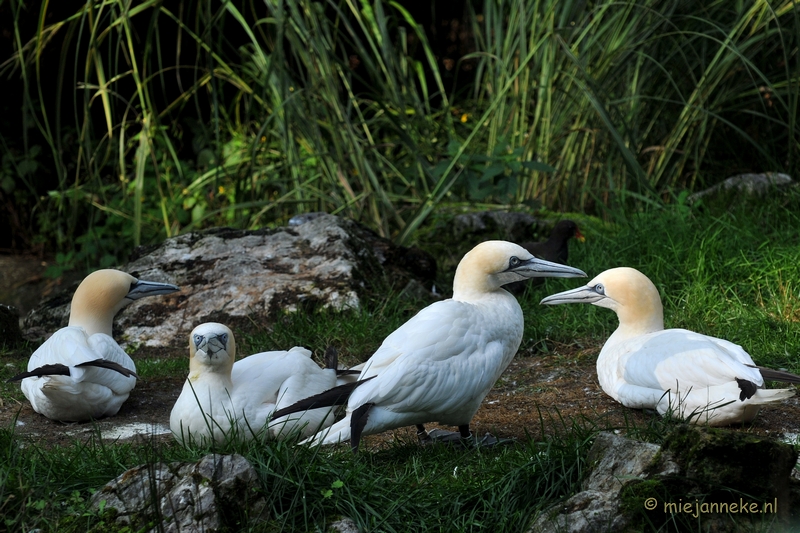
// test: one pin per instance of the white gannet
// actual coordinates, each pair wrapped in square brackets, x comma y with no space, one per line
[438,366]
[80,372]
[222,398]
[644,366]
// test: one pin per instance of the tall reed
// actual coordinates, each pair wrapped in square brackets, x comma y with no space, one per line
[246,112]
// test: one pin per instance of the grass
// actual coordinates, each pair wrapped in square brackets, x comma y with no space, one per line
[163,119]
[726,270]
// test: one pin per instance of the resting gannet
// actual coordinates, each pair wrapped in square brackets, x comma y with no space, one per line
[699,378]
[81,372]
[438,366]
[222,398]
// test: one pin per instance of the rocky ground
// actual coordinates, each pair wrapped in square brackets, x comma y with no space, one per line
[536,394]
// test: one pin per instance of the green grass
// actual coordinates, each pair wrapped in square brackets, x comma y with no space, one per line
[726,270]
[344,106]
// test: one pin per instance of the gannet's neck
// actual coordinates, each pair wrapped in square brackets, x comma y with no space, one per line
[99,297]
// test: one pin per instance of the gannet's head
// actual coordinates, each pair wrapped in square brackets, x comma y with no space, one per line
[211,348]
[625,291]
[103,293]
[492,264]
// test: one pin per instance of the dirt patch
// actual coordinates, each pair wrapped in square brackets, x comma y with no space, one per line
[537,394]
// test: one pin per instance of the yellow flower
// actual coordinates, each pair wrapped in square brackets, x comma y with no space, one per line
[464,118]
[221,189]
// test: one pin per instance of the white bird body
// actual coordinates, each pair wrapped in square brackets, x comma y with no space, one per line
[222,398]
[87,392]
[80,372]
[642,365]
[438,366]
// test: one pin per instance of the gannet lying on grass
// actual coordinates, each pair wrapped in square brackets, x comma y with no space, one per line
[695,377]
[225,400]
[81,372]
[438,366]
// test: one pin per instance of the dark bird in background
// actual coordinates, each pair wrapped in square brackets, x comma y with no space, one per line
[555,249]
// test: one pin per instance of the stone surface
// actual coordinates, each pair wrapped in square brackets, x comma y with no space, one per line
[635,484]
[745,185]
[507,225]
[206,496]
[241,277]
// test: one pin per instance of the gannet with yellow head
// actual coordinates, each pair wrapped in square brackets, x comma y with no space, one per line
[438,366]
[702,379]
[80,372]
[226,399]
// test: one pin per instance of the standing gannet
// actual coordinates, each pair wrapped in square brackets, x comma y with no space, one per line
[644,366]
[81,372]
[222,398]
[438,366]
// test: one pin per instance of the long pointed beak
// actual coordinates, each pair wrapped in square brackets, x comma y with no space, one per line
[539,268]
[142,288]
[581,295]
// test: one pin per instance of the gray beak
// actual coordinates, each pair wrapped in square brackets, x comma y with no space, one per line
[211,344]
[581,295]
[539,268]
[141,288]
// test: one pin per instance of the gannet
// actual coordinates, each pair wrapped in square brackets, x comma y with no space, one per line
[438,366]
[692,376]
[555,249]
[80,372]
[222,398]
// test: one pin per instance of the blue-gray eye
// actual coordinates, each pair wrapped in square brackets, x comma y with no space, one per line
[599,289]
[224,338]
[197,340]
[514,261]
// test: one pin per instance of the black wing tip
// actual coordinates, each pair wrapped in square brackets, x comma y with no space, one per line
[334,396]
[111,365]
[777,375]
[45,370]
[331,358]
[748,389]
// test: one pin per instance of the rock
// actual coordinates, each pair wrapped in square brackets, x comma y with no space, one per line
[745,185]
[10,334]
[182,497]
[242,277]
[510,226]
[699,476]
[344,525]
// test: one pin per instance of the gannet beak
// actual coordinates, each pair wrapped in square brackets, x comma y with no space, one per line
[539,268]
[582,295]
[141,288]
[210,344]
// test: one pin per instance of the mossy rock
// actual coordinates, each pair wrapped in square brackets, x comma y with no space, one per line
[743,462]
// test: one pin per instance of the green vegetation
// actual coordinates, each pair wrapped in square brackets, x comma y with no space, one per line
[724,270]
[143,121]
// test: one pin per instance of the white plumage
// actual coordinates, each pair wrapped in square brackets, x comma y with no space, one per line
[642,365]
[80,372]
[438,366]
[222,398]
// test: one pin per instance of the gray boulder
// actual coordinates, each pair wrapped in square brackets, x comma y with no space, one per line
[745,185]
[506,225]
[698,477]
[217,493]
[242,277]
